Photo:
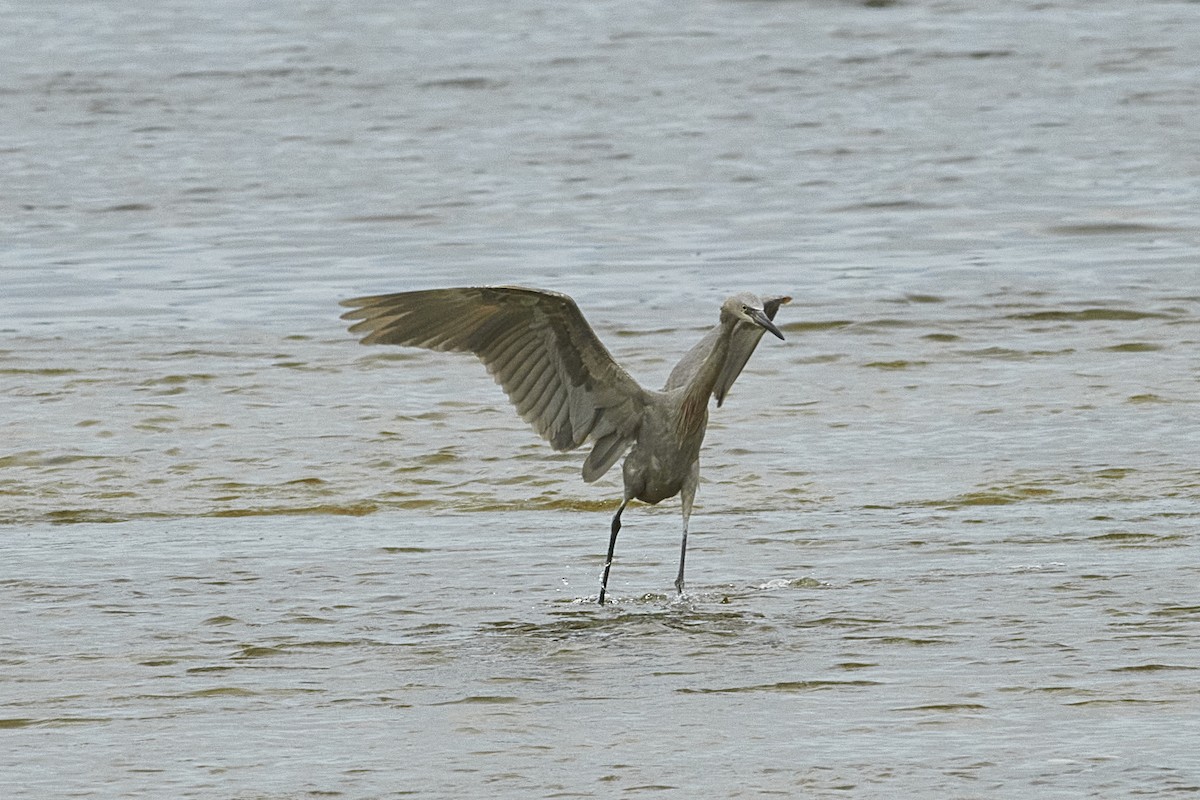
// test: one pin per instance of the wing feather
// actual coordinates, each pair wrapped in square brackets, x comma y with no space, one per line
[503,338]
[508,359]
[536,380]
[548,406]
[546,394]
[523,370]
[559,417]
[537,346]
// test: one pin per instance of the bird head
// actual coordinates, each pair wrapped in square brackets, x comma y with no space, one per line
[748,308]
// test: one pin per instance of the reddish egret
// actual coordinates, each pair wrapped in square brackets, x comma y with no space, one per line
[563,381]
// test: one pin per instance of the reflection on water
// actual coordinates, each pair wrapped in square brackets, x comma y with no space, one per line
[944,542]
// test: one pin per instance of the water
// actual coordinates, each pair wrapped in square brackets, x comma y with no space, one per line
[945,542]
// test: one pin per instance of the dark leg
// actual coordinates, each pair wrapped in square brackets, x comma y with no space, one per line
[687,495]
[682,556]
[612,545]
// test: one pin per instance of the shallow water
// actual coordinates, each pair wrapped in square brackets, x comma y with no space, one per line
[945,543]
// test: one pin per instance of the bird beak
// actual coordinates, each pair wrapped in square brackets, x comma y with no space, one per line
[762,319]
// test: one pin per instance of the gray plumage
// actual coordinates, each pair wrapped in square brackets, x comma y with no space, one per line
[564,382]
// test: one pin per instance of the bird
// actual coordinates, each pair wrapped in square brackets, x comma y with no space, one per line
[563,381]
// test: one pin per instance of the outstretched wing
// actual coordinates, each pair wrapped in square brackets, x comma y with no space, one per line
[536,345]
[746,337]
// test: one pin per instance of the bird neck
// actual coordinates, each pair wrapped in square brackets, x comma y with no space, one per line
[699,389]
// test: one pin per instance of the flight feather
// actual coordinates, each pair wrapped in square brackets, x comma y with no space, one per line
[536,345]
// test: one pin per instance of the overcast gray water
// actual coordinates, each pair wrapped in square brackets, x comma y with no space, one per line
[946,541]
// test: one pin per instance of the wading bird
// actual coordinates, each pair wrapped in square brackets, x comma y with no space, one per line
[564,382]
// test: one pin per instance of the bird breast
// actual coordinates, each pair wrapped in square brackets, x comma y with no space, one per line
[657,464]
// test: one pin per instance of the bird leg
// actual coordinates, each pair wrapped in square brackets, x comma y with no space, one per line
[687,494]
[612,545]
[682,557]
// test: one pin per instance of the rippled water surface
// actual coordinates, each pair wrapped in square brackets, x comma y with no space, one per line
[945,545]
